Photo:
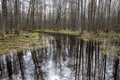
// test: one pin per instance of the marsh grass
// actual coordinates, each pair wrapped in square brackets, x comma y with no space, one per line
[20,42]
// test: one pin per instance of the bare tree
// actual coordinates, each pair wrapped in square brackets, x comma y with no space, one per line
[4,15]
[17,15]
[60,14]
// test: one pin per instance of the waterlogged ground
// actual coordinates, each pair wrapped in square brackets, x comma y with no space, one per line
[65,58]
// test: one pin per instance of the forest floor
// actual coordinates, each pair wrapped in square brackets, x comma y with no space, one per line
[26,40]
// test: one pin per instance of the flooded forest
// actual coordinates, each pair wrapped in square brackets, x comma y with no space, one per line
[59,39]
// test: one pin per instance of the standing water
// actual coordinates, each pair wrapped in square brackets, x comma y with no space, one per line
[66,58]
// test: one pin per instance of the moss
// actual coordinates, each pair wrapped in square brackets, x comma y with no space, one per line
[111,36]
[107,47]
[63,31]
[104,51]
[19,42]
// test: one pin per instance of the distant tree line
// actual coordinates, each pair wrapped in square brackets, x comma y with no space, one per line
[90,15]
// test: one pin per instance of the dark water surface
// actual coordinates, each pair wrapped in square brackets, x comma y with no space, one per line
[66,58]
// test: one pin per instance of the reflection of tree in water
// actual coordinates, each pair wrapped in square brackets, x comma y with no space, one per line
[71,59]
[89,63]
[9,66]
[2,68]
[37,60]
[21,62]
